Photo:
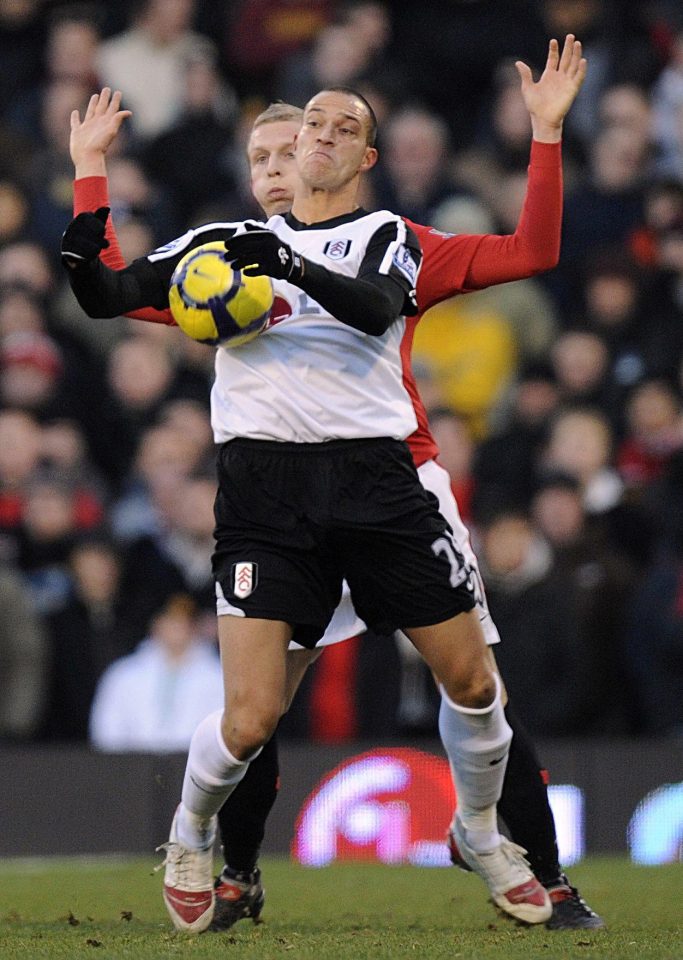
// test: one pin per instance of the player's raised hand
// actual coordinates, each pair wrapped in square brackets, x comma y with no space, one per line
[550,97]
[91,137]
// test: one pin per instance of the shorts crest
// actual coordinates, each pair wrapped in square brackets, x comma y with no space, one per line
[244,578]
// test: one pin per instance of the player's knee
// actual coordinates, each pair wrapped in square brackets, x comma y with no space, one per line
[476,690]
[245,732]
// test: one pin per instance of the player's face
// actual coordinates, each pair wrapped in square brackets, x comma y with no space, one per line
[332,144]
[272,164]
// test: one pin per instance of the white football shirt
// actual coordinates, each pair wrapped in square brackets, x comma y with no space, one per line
[309,377]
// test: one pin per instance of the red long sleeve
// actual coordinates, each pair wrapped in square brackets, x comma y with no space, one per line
[462,263]
[90,193]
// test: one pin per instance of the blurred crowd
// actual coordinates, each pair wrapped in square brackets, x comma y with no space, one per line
[556,401]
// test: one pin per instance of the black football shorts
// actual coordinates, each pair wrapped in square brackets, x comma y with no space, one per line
[294,519]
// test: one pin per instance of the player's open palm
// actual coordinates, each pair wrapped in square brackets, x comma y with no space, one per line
[550,97]
[93,135]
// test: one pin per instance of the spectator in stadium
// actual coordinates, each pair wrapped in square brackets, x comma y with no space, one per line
[626,106]
[152,700]
[97,623]
[580,361]
[139,380]
[450,53]
[469,348]
[545,658]
[603,579]
[654,639]
[136,196]
[604,209]
[23,660]
[414,173]
[64,450]
[670,262]
[654,422]
[622,40]
[22,39]
[505,461]
[164,457]
[177,557]
[189,417]
[350,50]
[31,373]
[631,309]
[456,445]
[51,522]
[48,168]
[194,157]
[285,28]
[662,211]
[20,452]
[667,106]
[21,311]
[338,56]
[14,211]
[26,263]
[581,442]
[147,61]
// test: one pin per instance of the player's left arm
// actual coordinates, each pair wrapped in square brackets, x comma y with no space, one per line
[458,264]
[383,290]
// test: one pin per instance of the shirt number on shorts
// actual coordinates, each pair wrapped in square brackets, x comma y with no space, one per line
[461,571]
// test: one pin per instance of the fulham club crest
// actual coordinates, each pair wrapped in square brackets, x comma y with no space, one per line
[337,249]
[244,578]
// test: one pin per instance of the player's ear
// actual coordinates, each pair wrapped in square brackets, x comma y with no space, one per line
[369,160]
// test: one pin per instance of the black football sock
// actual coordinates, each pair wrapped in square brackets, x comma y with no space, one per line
[242,818]
[524,804]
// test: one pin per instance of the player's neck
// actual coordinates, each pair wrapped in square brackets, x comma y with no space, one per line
[313,205]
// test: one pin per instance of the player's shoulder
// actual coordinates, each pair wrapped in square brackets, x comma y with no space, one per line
[381,217]
[216,230]
[428,233]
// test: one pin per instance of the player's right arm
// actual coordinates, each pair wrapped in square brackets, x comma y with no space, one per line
[89,141]
[103,292]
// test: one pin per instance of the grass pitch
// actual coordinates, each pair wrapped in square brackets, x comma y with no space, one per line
[112,909]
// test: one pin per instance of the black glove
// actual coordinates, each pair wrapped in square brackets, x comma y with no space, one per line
[84,238]
[260,251]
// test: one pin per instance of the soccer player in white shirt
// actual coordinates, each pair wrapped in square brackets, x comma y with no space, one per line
[332,155]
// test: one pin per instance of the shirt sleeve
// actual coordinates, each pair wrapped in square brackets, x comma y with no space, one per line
[381,292]
[103,292]
[394,251]
[90,193]
[460,263]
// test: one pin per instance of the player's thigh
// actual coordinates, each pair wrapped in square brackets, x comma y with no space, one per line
[254,661]
[298,662]
[457,653]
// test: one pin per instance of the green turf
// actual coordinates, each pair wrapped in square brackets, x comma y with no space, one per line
[113,909]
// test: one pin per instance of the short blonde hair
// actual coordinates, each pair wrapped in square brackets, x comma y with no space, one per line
[279,113]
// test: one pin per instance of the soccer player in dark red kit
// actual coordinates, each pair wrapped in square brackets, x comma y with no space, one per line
[452,265]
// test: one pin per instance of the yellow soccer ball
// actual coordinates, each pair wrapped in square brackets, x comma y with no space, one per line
[213,303]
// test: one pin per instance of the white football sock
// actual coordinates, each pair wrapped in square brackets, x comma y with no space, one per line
[211,774]
[477,742]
